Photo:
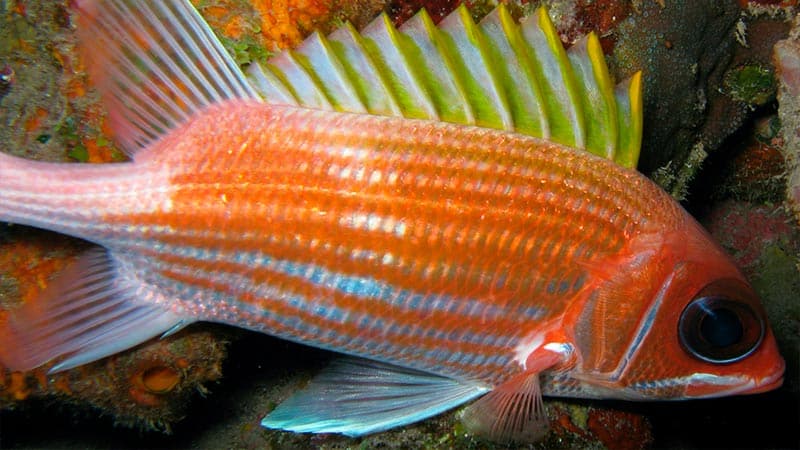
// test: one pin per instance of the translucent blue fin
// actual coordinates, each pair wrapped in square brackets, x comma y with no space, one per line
[156,64]
[89,312]
[357,397]
[496,74]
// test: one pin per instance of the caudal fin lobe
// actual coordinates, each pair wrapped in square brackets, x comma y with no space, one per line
[88,312]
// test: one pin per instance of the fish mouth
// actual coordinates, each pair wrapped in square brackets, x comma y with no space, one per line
[769,383]
[712,386]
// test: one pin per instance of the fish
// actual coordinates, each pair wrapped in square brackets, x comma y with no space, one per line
[454,208]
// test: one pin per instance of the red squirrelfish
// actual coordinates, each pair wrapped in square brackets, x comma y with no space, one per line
[427,200]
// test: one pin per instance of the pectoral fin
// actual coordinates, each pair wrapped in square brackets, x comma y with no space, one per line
[357,397]
[512,412]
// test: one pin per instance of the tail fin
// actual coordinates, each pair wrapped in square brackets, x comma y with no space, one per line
[156,63]
[89,312]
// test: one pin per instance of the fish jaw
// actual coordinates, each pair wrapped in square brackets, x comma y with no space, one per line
[764,373]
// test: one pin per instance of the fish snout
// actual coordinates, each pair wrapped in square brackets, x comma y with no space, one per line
[770,382]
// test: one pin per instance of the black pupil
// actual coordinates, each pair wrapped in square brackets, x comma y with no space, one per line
[721,327]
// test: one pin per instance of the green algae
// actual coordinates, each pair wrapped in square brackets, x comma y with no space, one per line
[753,84]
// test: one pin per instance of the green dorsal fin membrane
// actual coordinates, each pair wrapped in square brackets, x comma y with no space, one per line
[321,62]
[372,87]
[630,110]
[474,66]
[597,95]
[514,68]
[496,74]
[556,78]
[437,70]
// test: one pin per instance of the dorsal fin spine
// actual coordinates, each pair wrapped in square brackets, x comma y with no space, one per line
[381,43]
[554,75]
[489,58]
[406,47]
[606,88]
[629,102]
[304,85]
[437,69]
[466,45]
[525,95]
[496,74]
[320,61]
[368,82]
[269,86]
[596,94]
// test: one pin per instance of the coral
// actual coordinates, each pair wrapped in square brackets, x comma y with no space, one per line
[252,29]
[147,386]
[787,60]
[582,426]
[753,84]
[49,106]
[754,170]
[765,242]
[683,47]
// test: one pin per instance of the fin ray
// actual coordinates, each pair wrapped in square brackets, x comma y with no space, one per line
[371,85]
[65,322]
[497,74]
[157,64]
[511,412]
[356,397]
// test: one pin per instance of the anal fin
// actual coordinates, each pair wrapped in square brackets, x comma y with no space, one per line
[357,397]
[88,312]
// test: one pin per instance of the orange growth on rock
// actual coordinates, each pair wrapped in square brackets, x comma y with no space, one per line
[19,387]
[160,379]
[61,384]
[35,121]
[620,430]
[285,22]
[28,265]
[97,153]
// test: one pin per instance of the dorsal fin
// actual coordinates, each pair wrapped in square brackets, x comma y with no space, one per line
[156,63]
[496,74]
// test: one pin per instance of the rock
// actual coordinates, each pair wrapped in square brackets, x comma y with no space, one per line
[787,62]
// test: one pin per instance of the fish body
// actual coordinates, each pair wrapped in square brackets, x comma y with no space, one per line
[461,259]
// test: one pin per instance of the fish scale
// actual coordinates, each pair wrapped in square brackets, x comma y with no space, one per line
[313,206]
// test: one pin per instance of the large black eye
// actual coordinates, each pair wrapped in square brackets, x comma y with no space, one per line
[720,330]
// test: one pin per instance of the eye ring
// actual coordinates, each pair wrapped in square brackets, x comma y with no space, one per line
[720,330]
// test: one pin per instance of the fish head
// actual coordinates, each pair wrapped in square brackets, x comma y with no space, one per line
[699,331]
